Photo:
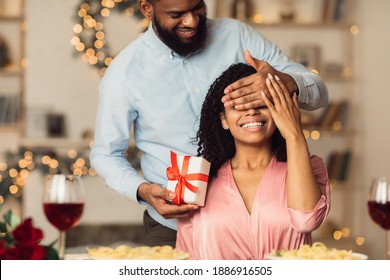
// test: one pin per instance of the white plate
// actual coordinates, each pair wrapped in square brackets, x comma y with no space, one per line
[140,258]
[124,252]
[272,257]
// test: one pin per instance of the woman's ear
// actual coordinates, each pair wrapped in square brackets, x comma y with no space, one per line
[146,8]
[224,123]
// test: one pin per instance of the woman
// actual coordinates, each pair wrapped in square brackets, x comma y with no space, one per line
[257,200]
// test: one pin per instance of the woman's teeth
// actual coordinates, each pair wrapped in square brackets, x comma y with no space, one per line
[253,124]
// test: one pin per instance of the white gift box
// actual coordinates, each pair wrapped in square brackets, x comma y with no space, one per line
[185,174]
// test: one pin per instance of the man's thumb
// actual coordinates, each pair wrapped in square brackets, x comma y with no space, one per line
[168,195]
[255,63]
[249,59]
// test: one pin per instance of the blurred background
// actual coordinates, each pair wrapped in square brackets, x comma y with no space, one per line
[54,53]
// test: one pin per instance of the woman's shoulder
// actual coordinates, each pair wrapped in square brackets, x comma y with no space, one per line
[225,168]
[223,174]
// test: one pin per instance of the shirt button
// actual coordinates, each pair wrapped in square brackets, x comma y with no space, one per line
[185,61]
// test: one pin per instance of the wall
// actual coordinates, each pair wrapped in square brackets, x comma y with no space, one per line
[61,82]
[56,79]
[371,118]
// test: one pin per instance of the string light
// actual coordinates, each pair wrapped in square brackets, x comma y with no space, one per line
[14,174]
[18,165]
[89,37]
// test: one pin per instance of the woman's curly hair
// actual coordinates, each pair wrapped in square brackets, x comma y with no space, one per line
[216,144]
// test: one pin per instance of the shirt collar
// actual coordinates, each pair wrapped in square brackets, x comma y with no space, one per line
[158,44]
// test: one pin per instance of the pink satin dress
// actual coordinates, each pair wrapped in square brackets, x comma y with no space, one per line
[224,230]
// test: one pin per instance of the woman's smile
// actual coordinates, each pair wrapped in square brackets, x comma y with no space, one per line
[253,124]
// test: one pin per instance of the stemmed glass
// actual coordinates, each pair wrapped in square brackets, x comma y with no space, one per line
[379,206]
[63,203]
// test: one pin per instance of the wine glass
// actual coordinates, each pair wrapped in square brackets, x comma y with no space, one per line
[379,206]
[63,203]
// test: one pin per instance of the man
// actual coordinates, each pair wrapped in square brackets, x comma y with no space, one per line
[158,83]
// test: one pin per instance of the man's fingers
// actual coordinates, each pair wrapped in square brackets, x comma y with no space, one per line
[243,82]
[167,194]
[250,105]
[175,211]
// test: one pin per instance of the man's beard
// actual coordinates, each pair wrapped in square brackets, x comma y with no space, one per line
[173,41]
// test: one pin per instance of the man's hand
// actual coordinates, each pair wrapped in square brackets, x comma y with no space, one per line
[246,93]
[160,198]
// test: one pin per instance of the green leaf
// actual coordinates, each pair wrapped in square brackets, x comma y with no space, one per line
[11,220]
[3,228]
[51,253]
[7,217]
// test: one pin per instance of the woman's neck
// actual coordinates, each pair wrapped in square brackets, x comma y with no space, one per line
[248,166]
[251,158]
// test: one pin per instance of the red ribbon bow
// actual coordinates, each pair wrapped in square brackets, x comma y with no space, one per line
[173,173]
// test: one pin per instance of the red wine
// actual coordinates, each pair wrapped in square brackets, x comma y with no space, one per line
[380,213]
[63,215]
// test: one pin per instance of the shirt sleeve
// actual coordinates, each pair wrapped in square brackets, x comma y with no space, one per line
[114,121]
[312,91]
[307,221]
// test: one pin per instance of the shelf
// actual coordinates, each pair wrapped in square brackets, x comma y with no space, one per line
[55,143]
[336,79]
[11,18]
[332,47]
[314,25]
[9,128]
[327,131]
[12,70]
[12,78]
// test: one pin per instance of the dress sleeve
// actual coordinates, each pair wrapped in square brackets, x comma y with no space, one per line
[307,221]
[184,238]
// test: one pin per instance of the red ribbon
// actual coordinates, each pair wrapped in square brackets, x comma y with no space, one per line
[173,173]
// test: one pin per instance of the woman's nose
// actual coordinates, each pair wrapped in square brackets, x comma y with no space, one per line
[252,111]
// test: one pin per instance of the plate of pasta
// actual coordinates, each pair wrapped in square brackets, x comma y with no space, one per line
[125,252]
[316,251]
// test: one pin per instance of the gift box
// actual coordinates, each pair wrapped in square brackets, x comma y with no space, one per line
[188,178]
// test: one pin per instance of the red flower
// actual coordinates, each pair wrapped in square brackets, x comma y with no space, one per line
[23,242]
[3,249]
[36,252]
[26,235]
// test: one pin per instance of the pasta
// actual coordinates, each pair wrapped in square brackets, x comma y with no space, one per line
[318,251]
[139,253]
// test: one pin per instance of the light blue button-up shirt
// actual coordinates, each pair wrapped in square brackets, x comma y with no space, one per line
[150,87]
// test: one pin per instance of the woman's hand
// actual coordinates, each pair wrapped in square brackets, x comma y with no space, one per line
[284,109]
[303,191]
